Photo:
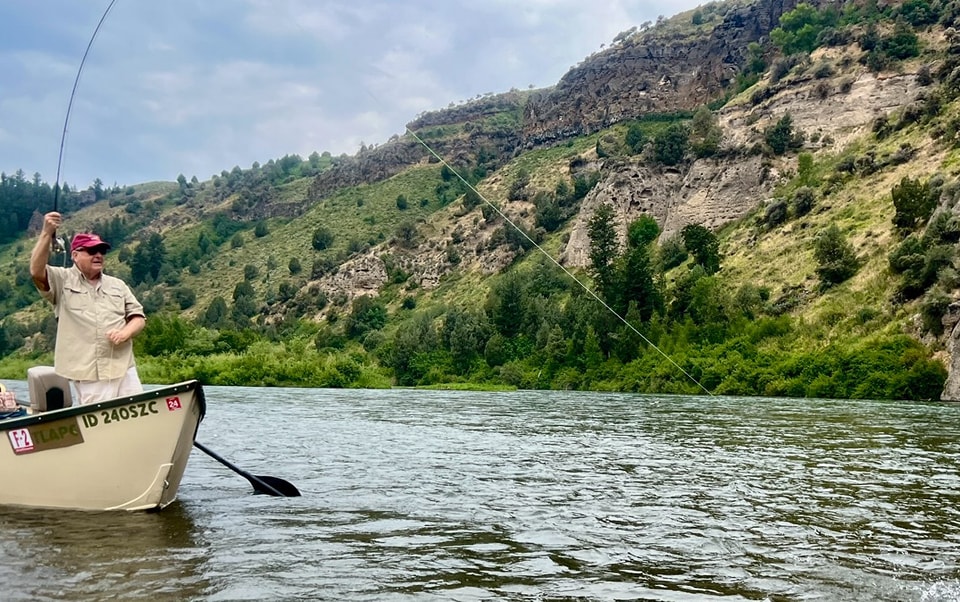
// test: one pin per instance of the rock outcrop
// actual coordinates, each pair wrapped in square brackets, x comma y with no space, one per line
[645,73]
[473,126]
[713,192]
[707,192]
[951,323]
[650,73]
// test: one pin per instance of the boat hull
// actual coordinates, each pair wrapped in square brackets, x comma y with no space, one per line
[128,453]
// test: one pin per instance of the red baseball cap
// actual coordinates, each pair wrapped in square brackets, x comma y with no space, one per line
[85,240]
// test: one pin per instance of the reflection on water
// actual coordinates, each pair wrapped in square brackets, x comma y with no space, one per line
[414,495]
[71,555]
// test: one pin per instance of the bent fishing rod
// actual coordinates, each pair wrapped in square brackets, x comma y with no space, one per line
[261,483]
[58,242]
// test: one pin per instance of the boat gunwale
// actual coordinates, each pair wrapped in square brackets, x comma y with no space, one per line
[78,410]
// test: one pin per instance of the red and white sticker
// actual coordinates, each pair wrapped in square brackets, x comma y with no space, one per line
[173,404]
[21,441]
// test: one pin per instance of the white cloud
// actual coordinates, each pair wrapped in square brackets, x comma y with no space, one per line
[199,86]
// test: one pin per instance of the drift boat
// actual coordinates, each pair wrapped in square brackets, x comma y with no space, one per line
[127,453]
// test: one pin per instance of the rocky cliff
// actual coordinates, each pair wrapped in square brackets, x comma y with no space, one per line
[951,323]
[454,134]
[653,71]
[713,192]
[647,72]
[650,72]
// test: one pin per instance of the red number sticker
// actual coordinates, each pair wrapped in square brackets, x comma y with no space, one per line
[21,441]
[173,404]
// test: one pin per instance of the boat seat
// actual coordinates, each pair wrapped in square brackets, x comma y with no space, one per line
[48,390]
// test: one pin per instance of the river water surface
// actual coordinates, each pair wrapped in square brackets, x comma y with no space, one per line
[427,495]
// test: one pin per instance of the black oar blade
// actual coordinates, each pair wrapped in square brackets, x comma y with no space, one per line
[261,484]
[274,486]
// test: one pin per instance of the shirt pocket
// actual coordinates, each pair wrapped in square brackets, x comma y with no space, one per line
[113,299]
[75,300]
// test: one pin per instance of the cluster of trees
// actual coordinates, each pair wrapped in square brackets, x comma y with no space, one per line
[925,256]
[553,208]
[21,199]
[537,329]
[805,28]
[256,186]
[677,136]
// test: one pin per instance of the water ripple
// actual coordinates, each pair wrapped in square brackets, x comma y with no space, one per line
[426,495]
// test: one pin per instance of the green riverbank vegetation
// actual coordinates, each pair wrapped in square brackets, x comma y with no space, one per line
[836,286]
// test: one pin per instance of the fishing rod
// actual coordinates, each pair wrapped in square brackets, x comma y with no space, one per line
[58,242]
[262,484]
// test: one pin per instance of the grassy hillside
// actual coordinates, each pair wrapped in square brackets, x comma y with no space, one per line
[420,279]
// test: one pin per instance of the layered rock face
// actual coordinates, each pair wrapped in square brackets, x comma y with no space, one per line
[951,323]
[714,192]
[650,73]
[455,148]
[708,192]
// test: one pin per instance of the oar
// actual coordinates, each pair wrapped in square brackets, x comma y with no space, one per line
[261,484]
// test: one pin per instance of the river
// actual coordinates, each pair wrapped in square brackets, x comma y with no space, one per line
[529,495]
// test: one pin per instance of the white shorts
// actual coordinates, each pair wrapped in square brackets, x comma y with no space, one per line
[92,391]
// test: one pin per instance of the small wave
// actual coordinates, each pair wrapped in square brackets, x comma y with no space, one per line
[941,591]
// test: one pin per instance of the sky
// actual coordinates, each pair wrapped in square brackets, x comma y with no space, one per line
[196,87]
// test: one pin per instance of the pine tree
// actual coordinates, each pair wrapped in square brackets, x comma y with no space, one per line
[604,251]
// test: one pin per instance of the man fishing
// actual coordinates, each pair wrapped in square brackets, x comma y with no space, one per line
[97,316]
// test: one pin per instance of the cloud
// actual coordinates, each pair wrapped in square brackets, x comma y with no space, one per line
[197,87]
